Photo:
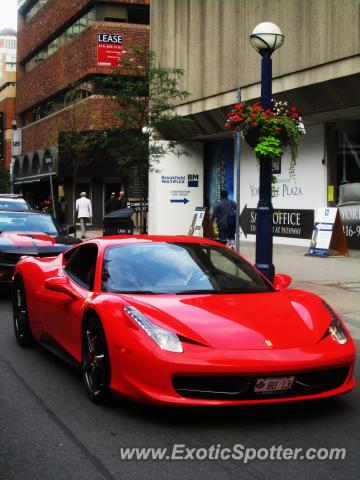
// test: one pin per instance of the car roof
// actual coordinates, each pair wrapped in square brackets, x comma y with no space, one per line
[138,239]
[25,212]
[11,195]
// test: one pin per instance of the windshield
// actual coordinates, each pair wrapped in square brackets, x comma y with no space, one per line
[178,268]
[13,205]
[21,222]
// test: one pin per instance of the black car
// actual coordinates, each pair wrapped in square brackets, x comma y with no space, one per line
[29,233]
[13,202]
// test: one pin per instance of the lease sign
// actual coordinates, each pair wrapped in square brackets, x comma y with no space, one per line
[109,50]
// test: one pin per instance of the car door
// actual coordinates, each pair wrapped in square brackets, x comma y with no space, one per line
[64,313]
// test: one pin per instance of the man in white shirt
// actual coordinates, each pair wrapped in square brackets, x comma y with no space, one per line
[84,212]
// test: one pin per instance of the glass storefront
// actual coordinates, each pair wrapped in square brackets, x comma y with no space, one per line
[344,176]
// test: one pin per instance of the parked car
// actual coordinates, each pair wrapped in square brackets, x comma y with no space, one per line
[13,202]
[181,321]
[29,233]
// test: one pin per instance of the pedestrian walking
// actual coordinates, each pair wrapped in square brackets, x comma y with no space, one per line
[113,203]
[84,212]
[122,199]
[224,214]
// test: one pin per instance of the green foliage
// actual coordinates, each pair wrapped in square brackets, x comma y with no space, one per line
[269,146]
[145,95]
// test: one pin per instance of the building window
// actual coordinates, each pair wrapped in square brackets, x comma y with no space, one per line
[10,67]
[10,44]
[58,102]
[63,39]
[35,9]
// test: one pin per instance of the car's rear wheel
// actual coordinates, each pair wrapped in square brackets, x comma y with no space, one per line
[22,330]
[95,361]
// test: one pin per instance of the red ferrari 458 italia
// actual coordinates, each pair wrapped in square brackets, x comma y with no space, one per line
[181,321]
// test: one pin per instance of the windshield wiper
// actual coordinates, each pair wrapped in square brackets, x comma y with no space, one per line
[184,292]
[139,292]
[217,292]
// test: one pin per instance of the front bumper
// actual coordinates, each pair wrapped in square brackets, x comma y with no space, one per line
[6,273]
[153,376]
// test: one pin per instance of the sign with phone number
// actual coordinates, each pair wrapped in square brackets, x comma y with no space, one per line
[350,216]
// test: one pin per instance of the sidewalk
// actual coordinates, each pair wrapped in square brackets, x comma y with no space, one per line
[336,279]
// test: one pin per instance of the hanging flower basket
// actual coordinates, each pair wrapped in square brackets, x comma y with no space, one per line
[252,137]
[268,132]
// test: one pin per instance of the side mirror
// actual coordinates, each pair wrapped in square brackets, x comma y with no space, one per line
[282,281]
[60,284]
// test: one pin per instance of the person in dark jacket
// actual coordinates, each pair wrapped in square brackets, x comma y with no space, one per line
[221,214]
[113,203]
[122,199]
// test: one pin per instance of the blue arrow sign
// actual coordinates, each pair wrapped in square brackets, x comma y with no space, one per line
[182,200]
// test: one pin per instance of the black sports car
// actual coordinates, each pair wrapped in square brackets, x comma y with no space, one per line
[29,233]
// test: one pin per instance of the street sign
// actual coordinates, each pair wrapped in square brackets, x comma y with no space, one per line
[16,143]
[179,200]
[202,219]
[286,222]
[328,236]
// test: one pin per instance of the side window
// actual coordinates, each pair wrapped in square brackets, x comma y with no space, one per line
[82,264]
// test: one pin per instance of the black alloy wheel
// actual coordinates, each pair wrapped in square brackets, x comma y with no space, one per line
[22,330]
[95,361]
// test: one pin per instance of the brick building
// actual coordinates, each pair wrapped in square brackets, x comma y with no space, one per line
[59,46]
[7,91]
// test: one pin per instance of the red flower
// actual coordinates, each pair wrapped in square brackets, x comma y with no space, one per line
[295,114]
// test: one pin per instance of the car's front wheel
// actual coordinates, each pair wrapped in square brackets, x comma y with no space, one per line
[20,315]
[95,361]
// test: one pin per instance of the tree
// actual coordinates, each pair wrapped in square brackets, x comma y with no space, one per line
[77,133]
[4,178]
[145,95]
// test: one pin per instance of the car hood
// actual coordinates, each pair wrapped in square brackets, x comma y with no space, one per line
[281,319]
[35,243]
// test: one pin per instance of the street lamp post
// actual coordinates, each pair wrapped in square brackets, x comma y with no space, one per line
[48,162]
[265,38]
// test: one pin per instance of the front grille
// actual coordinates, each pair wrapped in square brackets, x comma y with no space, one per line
[10,259]
[241,387]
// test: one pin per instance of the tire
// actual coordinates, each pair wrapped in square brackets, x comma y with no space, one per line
[95,361]
[22,329]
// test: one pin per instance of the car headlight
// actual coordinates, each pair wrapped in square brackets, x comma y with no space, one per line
[336,329]
[164,338]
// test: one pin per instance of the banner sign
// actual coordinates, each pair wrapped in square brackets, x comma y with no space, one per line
[1,134]
[16,143]
[350,216]
[109,50]
[327,234]
[286,223]
[139,207]
[201,219]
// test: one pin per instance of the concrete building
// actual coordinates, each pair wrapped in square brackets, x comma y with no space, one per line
[7,92]
[64,47]
[317,70]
